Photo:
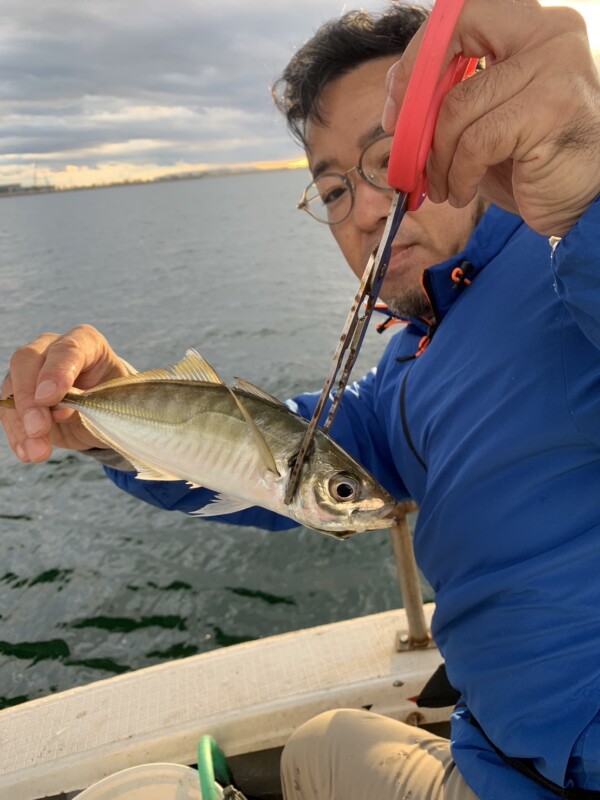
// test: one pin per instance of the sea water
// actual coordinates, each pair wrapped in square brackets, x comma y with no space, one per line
[94,583]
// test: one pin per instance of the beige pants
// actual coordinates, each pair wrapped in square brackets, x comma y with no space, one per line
[356,755]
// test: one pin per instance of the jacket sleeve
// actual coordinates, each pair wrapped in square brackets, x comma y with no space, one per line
[576,265]
[356,429]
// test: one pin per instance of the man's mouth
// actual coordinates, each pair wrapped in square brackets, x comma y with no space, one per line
[401,248]
[400,252]
[397,248]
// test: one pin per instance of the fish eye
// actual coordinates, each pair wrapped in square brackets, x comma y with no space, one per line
[344,487]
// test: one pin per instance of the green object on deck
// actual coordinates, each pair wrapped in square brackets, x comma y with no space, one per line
[212,768]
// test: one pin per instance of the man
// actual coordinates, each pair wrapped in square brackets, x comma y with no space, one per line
[484,408]
[489,419]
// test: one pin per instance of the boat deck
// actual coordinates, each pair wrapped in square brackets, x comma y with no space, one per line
[250,697]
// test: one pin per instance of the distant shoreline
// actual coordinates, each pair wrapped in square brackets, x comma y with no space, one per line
[219,172]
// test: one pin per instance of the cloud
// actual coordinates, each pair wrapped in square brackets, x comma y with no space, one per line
[144,81]
[148,82]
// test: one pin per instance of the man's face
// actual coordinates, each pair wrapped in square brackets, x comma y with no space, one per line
[352,107]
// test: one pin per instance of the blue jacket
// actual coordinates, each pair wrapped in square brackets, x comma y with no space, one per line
[495,432]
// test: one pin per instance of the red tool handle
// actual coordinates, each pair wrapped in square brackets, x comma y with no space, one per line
[425,93]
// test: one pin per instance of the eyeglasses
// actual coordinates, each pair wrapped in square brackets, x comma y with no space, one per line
[330,197]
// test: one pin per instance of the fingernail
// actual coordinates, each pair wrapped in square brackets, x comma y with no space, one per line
[21,453]
[46,390]
[35,448]
[390,114]
[34,422]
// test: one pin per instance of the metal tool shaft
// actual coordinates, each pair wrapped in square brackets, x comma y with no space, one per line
[352,336]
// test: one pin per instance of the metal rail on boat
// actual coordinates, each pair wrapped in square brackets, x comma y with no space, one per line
[418,634]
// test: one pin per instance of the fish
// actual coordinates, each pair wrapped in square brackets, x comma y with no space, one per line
[185,424]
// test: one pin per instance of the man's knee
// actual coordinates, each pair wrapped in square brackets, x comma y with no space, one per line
[317,735]
[357,754]
[346,727]
[312,754]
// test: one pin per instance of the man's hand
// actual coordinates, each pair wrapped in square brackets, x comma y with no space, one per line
[41,373]
[526,130]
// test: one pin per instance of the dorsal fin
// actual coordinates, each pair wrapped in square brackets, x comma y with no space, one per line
[260,441]
[192,367]
[255,391]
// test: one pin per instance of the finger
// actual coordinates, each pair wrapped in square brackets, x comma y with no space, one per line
[80,357]
[14,432]
[515,50]
[25,365]
[65,360]
[16,446]
[41,373]
[519,86]
[519,152]
[487,143]
[468,111]
[399,74]
[25,448]
[65,415]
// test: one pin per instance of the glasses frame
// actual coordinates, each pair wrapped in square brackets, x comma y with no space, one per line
[304,203]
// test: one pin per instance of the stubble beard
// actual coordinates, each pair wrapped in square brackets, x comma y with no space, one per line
[411,304]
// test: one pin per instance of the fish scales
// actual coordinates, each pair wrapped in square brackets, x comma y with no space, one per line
[195,429]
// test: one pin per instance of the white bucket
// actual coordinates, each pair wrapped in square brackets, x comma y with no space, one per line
[147,782]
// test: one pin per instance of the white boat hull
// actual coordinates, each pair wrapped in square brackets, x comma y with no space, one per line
[249,697]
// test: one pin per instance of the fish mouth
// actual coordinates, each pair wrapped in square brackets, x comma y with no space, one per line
[376,520]
[380,509]
[335,534]
[376,525]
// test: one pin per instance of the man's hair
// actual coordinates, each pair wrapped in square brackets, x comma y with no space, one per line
[338,47]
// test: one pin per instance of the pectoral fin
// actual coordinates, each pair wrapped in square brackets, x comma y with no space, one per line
[148,473]
[260,441]
[221,505]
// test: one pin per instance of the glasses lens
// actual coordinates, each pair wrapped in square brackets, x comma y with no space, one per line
[374,162]
[329,198]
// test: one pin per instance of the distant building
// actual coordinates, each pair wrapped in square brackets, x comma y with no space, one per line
[7,188]
[18,188]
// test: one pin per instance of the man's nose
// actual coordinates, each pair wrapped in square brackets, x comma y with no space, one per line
[371,206]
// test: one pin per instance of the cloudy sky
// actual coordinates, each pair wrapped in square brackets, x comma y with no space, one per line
[99,90]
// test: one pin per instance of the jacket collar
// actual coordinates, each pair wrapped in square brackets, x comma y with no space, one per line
[489,238]
[442,282]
